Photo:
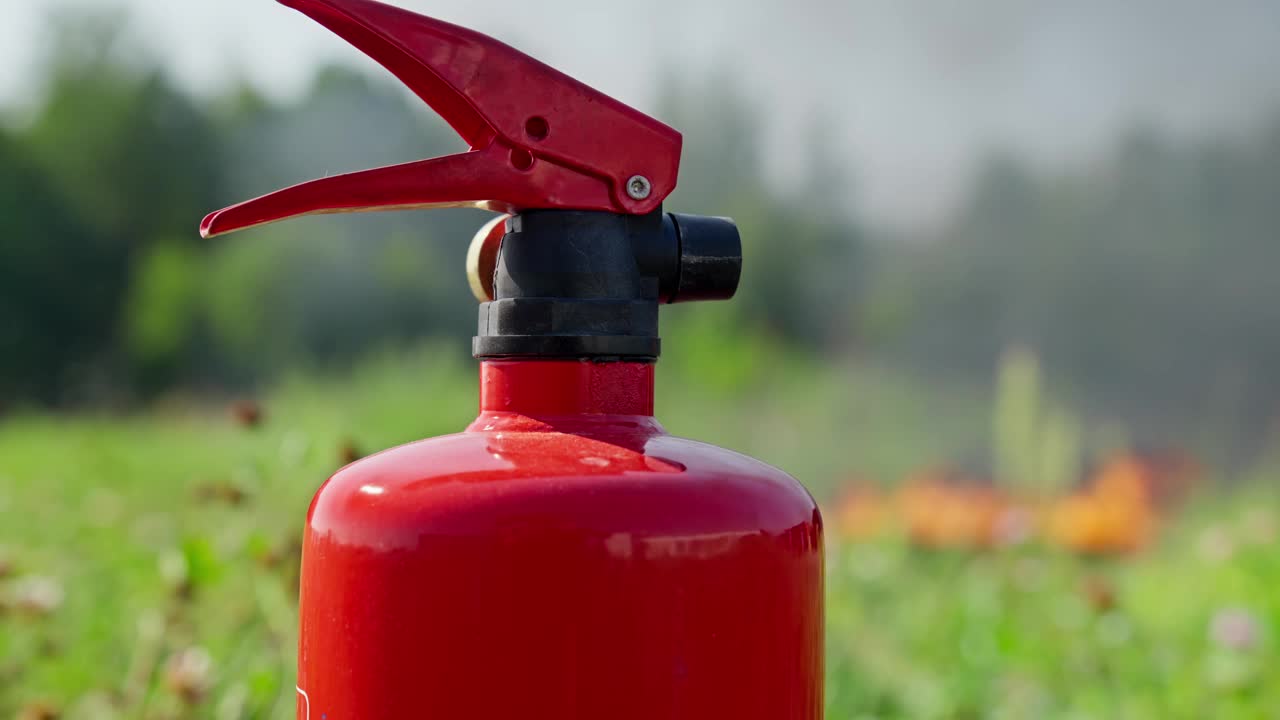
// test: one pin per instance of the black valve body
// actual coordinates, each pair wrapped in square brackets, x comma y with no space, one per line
[582,284]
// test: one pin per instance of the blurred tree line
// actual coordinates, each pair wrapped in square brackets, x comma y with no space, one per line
[108,295]
[1145,282]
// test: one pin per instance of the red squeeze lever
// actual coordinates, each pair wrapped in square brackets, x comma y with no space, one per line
[539,139]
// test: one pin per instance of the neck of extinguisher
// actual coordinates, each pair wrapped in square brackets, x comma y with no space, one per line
[558,388]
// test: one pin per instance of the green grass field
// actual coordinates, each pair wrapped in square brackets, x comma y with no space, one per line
[148,563]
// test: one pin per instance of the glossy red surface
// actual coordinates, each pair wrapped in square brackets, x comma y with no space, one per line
[537,137]
[563,558]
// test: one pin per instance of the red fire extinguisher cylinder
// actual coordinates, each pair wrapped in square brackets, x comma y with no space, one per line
[563,558]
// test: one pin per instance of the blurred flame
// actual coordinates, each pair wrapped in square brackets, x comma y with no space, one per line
[861,513]
[1116,511]
[941,509]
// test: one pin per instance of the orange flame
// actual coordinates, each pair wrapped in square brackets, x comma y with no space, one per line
[1117,511]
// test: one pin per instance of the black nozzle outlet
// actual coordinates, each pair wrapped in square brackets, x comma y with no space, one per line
[580,284]
[710,251]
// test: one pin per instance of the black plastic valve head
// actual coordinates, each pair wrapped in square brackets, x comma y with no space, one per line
[583,284]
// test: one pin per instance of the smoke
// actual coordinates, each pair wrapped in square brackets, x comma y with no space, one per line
[914,93]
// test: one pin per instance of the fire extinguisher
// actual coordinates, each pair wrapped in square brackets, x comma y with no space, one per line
[564,557]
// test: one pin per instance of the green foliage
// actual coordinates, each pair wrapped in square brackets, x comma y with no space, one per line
[114,163]
[1016,414]
[1061,450]
[1036,447]
[241,302]
[124,147]
[55,311]
[1031,634]
[185,530]
[314,296]
[718,354]
[163,305]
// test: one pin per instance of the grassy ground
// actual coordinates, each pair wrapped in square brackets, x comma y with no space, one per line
[147,564]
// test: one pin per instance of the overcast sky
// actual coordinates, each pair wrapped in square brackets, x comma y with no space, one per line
[918,89]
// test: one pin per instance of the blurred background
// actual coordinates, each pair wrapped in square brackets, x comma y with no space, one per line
[1008,310]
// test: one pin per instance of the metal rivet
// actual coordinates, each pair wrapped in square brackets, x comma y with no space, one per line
[638,187]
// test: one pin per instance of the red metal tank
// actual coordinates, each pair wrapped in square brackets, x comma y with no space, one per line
[564,558]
